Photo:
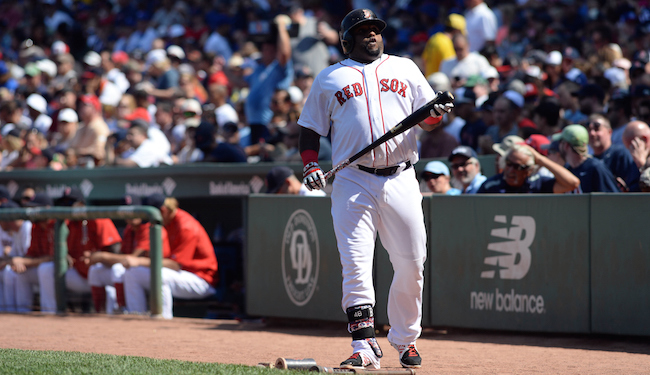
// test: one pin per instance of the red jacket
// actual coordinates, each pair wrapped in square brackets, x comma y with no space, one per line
[42,240]
[139,239]
[93,236]
[191,246]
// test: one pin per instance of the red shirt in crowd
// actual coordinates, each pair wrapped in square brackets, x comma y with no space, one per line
[191,246]
[90,235]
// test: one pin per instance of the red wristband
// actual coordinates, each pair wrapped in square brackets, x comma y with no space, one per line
[309,156]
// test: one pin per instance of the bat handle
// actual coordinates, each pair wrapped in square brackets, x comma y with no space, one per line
[334,170]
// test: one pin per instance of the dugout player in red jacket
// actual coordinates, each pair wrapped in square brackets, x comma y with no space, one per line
[189,272]
[85,238]
[107,269]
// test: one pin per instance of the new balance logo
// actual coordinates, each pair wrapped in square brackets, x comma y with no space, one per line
[514,259]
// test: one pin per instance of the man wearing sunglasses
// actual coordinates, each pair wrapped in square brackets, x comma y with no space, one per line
[519,176]
[436,176]
[466,169]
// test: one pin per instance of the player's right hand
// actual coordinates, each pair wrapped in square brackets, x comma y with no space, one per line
[313,176]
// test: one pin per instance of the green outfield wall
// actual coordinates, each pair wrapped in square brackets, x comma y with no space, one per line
[537,263]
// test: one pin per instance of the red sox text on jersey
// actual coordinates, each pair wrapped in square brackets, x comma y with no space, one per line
[356,89]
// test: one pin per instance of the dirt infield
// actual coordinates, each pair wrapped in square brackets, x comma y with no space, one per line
[229,341]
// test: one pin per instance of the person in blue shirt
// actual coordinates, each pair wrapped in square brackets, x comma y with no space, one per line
[436,176]
[274,70]
[519,174]
[466,169]
[593,174]
[615,156]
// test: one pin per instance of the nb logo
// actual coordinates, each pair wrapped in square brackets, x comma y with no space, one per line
[300,257]
[514,257]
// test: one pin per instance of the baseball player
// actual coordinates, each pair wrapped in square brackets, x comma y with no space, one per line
[20,236]
[358,100]
[24,269]
[189,269]
[107,269]
[85,237]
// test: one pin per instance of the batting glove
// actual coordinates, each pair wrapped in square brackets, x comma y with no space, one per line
[440,109]
[313,176]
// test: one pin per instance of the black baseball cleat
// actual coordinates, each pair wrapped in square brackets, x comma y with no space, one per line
[408,355]
[361,360]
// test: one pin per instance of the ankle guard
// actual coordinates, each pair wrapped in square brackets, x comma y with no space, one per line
[361,322]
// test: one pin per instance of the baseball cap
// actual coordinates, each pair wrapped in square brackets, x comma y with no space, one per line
[120,57]
[176,51]
[92,100]
[575,135]
[9,204]
[456,21]
[47,66]
[439,81]
[192,106]
[507,143]
[68,115]
[436,167]
[130,200]
[138,113]
[475,79]
[38,200]
[465,151]
[37,102]
[554,58]
[70,196]
[490,72]
[59,47]
[32,70]
[154,57]
[464,95]
[552,146]
[276,178]
[536,141]
[515,97]
[93,58]
[4,192]
[155,200]
[590,90]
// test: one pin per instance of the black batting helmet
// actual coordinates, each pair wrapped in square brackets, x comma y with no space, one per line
[352,20]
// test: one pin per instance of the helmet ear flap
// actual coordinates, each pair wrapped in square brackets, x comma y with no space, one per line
[347,42]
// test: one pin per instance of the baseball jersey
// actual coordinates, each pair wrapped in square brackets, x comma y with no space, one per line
[191,246]
[42,239]
[138,238]
[21,239]
[359,103]
[90,235]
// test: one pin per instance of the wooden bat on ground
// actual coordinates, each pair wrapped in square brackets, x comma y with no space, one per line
[413,119]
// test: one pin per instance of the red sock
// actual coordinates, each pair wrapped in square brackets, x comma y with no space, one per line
[119,294]
[99,298]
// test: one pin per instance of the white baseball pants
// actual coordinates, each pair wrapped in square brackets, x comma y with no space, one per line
[101,275]
[73,281]
[363,205]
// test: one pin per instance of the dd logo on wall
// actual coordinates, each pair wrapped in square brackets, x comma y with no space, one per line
[300,257]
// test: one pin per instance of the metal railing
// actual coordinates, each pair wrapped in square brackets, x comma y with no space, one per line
[84,213]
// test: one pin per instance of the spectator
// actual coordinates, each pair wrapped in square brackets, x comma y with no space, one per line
[593,174]
[617,159]
[644,181]
[309,45]
[167,78]
[466,169]
[107,269]
[591,98]
[224,111]
[465,64]
[436,176]
[228,150]
[24,269]
[547,116]
[619,114]
[190,270]
[20,236]
[481,24]
[68,123]
[274,70]
[90,139]
[144,153]
[85,237]
[37,107]
[507,110]
[466,109]
[519,174]
[636,138]
[502,149]
[12,144]
[439,47]
[66,75]
[282,180]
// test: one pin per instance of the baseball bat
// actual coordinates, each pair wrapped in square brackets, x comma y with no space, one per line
[410,121]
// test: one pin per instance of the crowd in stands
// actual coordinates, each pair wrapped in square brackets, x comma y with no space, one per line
[147,83]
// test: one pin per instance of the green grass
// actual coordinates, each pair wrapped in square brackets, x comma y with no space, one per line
[13,361]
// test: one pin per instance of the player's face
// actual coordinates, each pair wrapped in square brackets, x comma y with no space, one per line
[516,170]
[368,43]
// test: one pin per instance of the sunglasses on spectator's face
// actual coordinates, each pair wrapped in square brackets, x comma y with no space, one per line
[461,165]
[189,114]
[518,167]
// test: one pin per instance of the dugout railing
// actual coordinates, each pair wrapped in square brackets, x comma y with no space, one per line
[61,214]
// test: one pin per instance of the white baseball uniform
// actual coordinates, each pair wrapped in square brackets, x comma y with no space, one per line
[100,275]
[19,242]
[359,103]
